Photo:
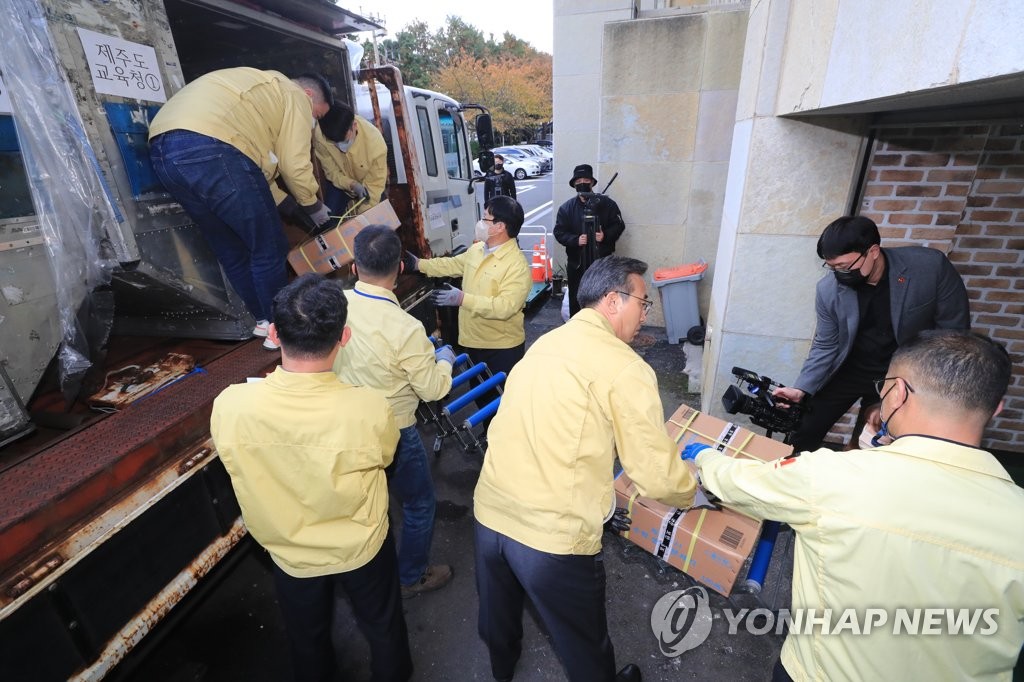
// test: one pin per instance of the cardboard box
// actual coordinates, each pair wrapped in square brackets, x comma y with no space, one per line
[333,249]
[708,544]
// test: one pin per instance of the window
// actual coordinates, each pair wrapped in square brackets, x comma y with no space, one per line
[427,138]
[455,160]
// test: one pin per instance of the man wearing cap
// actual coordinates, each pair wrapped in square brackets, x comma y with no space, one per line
[217,144]
[572,232]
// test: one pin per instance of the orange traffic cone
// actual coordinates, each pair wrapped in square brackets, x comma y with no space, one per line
[537,267]
[546,259]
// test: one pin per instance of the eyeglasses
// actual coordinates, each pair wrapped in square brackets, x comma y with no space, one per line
[881,382]
[490,220]
[848,268]
[645,302]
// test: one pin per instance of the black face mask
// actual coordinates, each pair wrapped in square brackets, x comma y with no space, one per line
[498,167]
[583,187]
[854,278]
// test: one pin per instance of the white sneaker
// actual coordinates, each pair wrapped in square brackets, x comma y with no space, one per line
[270,345]
[262,328]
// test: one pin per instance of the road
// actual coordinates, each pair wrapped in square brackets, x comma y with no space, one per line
[535,196]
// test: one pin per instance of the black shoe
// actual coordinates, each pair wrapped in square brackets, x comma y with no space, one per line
[629,673]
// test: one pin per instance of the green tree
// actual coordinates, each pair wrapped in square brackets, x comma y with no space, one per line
[516,90]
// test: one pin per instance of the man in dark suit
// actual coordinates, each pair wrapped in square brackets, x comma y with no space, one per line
[572,232]
[874,301]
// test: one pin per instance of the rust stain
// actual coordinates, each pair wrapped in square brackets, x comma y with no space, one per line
[125,385]
[405,200]
[157,609]
[27,580]
[193,461]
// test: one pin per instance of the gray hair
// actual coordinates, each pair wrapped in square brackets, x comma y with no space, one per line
[610,273]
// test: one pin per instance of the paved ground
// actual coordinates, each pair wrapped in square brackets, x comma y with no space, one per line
[234,632]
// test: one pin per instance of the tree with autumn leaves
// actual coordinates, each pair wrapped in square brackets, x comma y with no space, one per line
[509,77]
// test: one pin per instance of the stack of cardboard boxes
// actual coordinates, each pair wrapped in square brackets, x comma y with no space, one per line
[708,544]
[334,249]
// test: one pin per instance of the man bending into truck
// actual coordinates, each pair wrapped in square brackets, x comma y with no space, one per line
[217,144]
[306,454]
[390,351]
[354,158]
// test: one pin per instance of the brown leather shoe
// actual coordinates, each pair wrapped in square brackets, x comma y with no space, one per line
[434,578]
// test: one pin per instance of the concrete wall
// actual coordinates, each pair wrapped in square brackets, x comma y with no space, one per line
[839,52]
[576,81]
[667,116]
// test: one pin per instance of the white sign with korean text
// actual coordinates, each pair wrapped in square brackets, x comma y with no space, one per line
[5,99]
[122,68]
[435,216]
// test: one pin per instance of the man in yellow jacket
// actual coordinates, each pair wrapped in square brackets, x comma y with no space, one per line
[580,396]
[390,351]
[495,282]
[217,144]
[306,454]
[354,159]
[924,531]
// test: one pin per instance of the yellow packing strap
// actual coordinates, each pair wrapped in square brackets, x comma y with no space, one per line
[629,507]
[693,539]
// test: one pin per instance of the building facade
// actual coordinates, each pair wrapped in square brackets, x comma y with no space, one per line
[739,130]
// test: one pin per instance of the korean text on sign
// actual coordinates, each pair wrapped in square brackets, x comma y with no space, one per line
[122,68]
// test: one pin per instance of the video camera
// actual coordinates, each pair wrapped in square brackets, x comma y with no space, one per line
[759,404]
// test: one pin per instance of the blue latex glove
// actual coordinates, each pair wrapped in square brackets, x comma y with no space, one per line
[445,354]
[448,296]
[692,450]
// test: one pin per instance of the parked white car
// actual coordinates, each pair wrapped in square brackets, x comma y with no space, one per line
[524,154]
[519,169]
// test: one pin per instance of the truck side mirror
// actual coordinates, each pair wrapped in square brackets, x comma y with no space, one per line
[484,132]
[486,161]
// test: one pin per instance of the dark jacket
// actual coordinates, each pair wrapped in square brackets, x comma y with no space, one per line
[499,184]
[925,292]
[569,227]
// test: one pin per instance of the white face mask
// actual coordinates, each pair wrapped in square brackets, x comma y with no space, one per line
[343,146]
[482,230]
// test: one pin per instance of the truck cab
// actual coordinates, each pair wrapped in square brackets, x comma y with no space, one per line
[436,154]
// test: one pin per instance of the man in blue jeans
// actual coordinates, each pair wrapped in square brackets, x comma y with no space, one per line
[217,144]
[390,351]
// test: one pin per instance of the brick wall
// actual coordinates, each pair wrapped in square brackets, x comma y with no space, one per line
[960,189]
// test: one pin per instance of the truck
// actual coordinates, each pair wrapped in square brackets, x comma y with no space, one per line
[108,520]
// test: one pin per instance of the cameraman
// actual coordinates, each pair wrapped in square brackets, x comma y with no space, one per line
[571,230]
[875,301]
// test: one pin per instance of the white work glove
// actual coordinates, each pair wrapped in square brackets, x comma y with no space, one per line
[445,354]
[448,296]
[359,190]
